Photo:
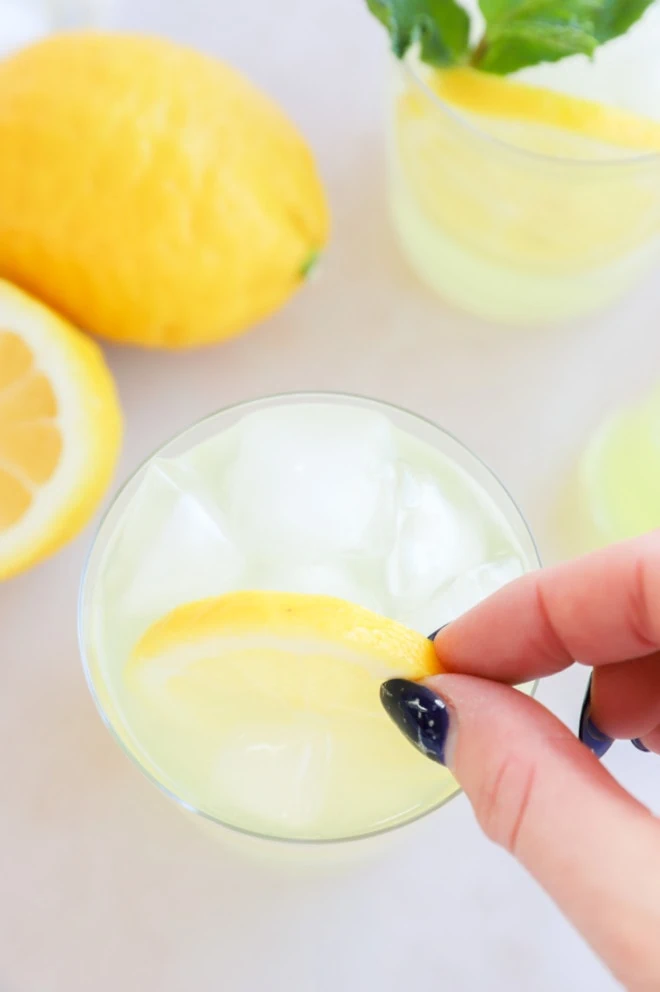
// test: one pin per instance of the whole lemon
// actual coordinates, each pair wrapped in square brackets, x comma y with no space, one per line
[150,193]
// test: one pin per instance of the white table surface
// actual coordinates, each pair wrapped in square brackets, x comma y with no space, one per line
[103,884]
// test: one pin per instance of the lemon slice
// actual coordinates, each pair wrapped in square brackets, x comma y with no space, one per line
[304,652]
[60,430]
[507,100]
[262,709]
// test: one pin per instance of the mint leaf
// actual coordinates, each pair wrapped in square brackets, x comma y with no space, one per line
[524,32]
[518,32]
[614,17]
[440,27]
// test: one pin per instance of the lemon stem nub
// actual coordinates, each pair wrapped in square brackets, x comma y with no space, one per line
[310,263]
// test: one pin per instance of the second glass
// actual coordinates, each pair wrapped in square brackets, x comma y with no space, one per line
[512,221]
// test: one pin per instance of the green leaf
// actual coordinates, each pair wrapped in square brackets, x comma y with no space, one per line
[524,32]
[518,33]
[523,44]
[614,17]
[506,11]
[440,27]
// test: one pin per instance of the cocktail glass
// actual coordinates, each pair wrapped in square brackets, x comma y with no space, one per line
[512,221]
[614,491]
[306,493]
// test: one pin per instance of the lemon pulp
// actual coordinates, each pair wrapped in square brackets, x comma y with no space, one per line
[60,429]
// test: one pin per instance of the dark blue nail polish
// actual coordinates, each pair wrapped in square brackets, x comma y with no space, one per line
[589,734]
[420,714]
[638,744]
[433,635]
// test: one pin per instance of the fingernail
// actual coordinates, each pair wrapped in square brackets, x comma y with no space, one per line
[589,734]
[420,714]
[638,744]
[433,636]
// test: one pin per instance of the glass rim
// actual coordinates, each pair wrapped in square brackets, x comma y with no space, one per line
[332,395]
[407,62]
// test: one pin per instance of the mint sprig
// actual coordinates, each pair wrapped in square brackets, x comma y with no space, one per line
[440,27]
[518,33]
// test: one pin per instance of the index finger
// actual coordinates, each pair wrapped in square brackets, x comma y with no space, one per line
[602,608]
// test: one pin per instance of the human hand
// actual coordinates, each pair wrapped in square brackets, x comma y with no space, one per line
[535,789]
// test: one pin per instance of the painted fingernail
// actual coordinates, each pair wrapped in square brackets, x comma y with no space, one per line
[589,734]
[420,714]
[432,636]
[638,744]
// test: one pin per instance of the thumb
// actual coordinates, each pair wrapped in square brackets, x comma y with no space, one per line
[542,795]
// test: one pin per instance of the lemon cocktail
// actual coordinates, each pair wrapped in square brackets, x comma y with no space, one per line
[517,191]
[255,583]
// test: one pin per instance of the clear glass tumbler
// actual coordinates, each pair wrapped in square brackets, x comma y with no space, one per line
[514,222]
[160,545]
[613,492]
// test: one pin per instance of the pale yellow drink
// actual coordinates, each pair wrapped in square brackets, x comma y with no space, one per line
[614,492]
[329,495]
[522,206]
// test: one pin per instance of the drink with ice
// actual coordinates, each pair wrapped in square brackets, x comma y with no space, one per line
[316,495]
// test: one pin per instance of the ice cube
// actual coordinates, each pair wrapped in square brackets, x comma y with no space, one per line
[337,579]
[313,480]
[172,547]
[276,773]
[435,540]
[464,592]
[478,583]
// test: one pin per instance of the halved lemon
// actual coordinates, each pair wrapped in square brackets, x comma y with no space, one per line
[307,652]
[60,430]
